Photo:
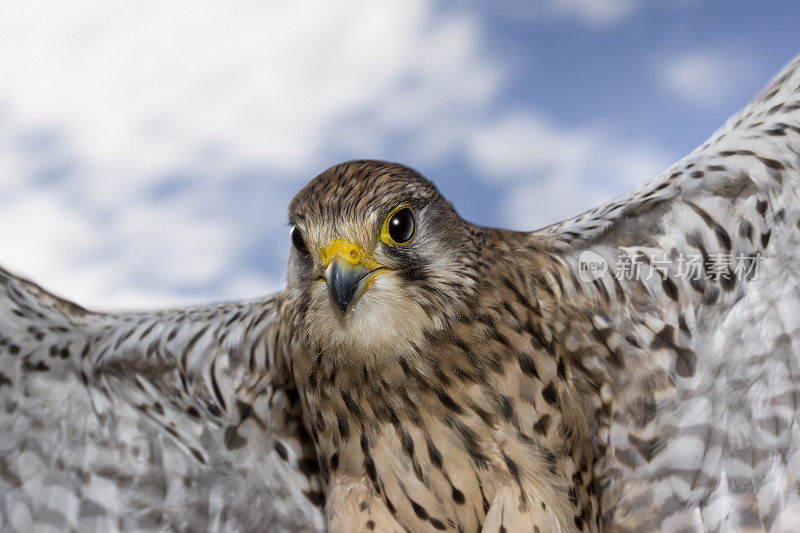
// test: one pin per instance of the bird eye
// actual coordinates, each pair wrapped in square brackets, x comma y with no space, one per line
[298,241]
[401,226]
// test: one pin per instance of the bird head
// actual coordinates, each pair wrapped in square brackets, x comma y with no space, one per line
[380,259]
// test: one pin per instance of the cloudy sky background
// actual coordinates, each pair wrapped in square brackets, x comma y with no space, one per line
[148,149]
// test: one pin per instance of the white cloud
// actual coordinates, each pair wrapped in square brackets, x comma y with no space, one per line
[129,99]
[148,149]
[705,78]
[588,12]
[254,80]
[520,144]
[552,173]
[596,12]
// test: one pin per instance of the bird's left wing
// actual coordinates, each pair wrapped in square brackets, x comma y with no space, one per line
[682,311]
[179,419]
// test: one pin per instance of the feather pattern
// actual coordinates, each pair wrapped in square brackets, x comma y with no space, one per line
[142,420]
[700,374]
[635,368]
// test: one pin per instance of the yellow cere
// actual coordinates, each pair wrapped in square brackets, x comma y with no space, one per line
[385,237]
[351,252]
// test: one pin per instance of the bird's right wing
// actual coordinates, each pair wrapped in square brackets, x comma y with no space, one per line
[182,419]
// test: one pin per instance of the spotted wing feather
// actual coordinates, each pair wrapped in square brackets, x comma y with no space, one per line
[696,373]
[180,419]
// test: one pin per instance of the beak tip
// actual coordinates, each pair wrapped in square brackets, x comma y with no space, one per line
[341,305]
[344,283]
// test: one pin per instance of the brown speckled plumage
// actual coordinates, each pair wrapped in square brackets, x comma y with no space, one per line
[478,382]
[475,415]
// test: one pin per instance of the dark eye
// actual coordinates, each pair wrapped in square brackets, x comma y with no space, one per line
[401,226]
[298,241]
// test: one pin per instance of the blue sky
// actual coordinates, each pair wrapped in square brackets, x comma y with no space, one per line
[148,149]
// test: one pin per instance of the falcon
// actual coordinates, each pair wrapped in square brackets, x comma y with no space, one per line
[636,368]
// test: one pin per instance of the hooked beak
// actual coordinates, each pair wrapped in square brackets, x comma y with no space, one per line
[347,274]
